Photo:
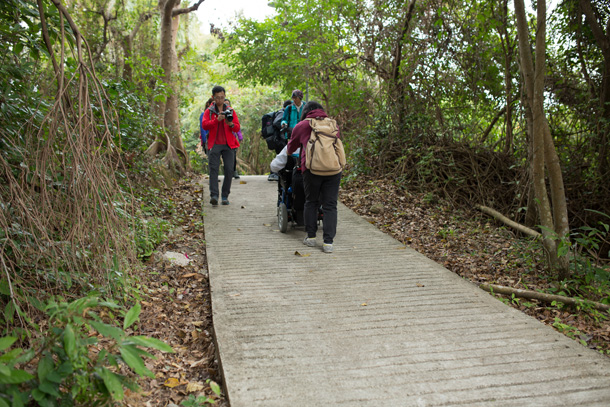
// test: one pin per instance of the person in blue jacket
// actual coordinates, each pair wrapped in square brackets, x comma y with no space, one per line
[292,113]
[203,133]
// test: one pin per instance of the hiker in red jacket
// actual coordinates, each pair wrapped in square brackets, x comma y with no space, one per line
[222,123]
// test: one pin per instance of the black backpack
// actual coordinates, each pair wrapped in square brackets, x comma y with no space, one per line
[270,130]
[277,120]
[267,129]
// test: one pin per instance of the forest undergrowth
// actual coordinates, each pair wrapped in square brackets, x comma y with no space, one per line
[176,305]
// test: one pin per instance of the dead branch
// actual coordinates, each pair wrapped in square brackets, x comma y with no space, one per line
[194,7]
[547,298]
[489,128]
[497,215]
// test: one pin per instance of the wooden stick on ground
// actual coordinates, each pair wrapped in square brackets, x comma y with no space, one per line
[535,295]
[497,215]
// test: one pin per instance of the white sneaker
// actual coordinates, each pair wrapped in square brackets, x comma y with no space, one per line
[328,248]
[309,241]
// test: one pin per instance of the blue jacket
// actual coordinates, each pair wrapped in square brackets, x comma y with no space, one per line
[292,115]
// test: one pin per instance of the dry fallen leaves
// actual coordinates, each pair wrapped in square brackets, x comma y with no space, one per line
[176,309]
[172,382]
[194,387]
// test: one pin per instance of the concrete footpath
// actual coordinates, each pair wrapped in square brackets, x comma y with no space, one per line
[372,324]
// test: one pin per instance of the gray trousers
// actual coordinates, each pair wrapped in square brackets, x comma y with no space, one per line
[321,191]
[228,158]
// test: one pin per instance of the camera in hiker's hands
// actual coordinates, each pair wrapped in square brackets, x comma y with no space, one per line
[228,115]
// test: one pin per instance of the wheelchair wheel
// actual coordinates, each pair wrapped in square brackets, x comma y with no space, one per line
[282,217]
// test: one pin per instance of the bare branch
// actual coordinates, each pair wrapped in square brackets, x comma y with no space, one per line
[547,298]
[194,7]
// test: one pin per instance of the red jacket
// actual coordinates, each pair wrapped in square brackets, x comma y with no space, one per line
[210,122]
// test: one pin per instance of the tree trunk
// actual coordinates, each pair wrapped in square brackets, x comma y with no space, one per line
[166,112]
[553,220]
[172,113]
[127,55]
[127,44]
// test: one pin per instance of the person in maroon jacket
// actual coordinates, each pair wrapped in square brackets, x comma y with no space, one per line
[319,189]
[222,123]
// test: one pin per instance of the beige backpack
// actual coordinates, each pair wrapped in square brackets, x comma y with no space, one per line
[324,154]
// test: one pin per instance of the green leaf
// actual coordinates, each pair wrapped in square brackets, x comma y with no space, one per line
[215,387]
[3,403]
[154,343]
[54,377]
[112,383]
[4,287]
[108,304]
[45,366]
[5,370]
[18,397]
[49,388]
[11,356]
[70,342]
[38,395]
[9,312]
[132,359]
[65,369]
[36,303]
[108,331]
[18,48]
[132,315]
[6,342]
[17,376]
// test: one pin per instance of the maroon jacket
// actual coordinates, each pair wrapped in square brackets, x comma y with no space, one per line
[302,132]
[211,123]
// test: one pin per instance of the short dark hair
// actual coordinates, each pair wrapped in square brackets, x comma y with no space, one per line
[309,107]
[217,89]
[287,103]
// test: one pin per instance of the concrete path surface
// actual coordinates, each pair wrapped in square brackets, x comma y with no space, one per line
[372,324]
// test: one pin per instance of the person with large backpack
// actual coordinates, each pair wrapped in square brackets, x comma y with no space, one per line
[322,162]
[274,135]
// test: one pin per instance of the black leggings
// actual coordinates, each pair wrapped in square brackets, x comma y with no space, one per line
[322,191]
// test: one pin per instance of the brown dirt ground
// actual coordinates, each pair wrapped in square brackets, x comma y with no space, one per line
[176,309]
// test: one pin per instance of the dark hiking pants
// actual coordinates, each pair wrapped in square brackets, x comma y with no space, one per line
[321,191]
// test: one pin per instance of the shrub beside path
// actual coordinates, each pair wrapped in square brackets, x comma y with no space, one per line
[372,324]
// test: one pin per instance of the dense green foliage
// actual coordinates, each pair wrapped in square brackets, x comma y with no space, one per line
[71,369]
[427,92]
[401,79]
